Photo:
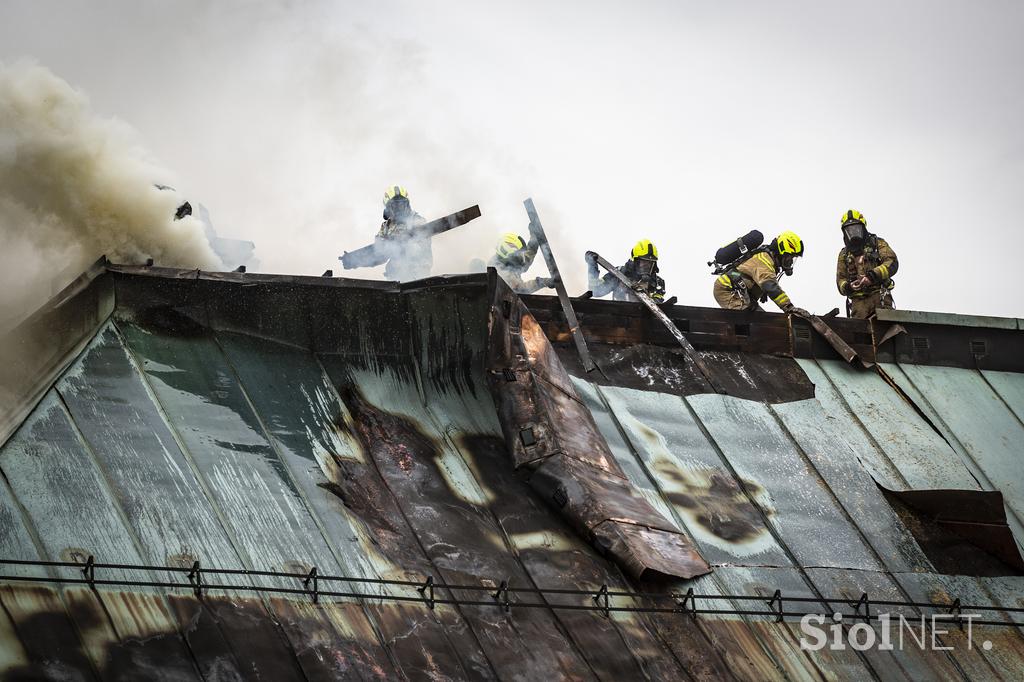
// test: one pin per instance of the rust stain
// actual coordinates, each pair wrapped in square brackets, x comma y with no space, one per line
[404,459]
[385,432]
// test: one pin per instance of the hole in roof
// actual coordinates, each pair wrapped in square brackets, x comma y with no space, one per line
[949,552]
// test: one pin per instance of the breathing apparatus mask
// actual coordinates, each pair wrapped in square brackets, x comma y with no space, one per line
[854,235]
[787,260]
[397,209]
[645,267]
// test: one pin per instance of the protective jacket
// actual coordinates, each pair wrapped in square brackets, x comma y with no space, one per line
[754,279]
[406,251]
[512,268]
[877,261]
[651,284]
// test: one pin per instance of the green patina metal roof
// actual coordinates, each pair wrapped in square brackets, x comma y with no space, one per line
[281,424]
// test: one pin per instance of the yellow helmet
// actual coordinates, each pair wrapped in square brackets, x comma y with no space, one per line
[645,248]
[510,243]
[789,242]
[394,191]
[852,216]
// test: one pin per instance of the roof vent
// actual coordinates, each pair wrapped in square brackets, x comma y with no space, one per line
[979,348]
[919,343]
[802,332]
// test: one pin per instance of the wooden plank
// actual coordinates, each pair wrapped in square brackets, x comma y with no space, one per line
[366,255]
[846,352]
[691,353]
[537,232]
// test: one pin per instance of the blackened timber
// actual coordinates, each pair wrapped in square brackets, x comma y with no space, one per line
[691,354]
[367,255]
[844,349]
[537,232]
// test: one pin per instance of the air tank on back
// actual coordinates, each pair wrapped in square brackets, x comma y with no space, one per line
[734,250]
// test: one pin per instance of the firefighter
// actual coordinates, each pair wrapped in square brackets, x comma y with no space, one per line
[407,253]
[641,269]
[513,256]
[756,277]
[865,268]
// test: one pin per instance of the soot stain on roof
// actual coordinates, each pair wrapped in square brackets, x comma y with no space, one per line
[715,501]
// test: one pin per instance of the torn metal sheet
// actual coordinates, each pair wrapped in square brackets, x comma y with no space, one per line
[908,457]
[578,475]
[984,431]
[554,555]
[978,516]
[825,443]
[355,423]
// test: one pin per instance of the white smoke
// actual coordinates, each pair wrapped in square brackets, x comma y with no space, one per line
[75,186]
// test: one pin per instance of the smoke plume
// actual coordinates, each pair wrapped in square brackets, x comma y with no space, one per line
[75,186]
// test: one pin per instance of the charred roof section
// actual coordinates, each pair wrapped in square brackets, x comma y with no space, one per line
[176,422]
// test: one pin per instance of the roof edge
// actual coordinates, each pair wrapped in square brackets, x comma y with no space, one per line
[950,319]
[40,348]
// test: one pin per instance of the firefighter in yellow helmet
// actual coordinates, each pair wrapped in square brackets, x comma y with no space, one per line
[512,257]
[755,279]
[406,251]
[641,269]
[865,268]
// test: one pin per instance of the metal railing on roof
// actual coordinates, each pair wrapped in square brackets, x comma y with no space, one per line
[500,594]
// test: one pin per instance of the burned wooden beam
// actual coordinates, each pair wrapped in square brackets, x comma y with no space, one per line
[691,353]
[537,232]
[366,256]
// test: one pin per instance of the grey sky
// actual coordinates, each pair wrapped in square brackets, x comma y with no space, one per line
[685,123]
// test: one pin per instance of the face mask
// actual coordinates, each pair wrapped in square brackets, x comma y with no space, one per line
[787,264]
[853,235]
[397,209]
[645,266]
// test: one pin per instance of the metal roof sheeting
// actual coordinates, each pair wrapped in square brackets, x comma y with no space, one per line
[354,430]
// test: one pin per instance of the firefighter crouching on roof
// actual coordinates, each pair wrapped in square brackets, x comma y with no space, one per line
[512,258]
[756,276]
[865,268]
[641,269]
[406,251]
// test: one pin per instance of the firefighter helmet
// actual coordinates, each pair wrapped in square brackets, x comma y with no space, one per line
[394,191]
[509,244]
[852,216]
[789,242]
[645,248]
